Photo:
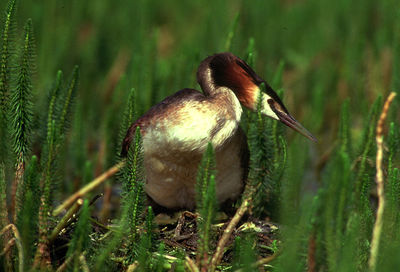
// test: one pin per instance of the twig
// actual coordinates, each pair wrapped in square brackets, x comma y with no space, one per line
[8,246]
[261,262]
[42,258]
[132,267]
[376,234]
[229,229]
[115,73]
[265,260]
[169,258]
[18,243]
[191,265]
[64,265]
[4,219]
[89,187]
[64,221]
[311,263]
[84,265]
[99,224]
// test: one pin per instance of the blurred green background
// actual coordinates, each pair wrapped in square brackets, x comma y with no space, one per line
[330,51]
[330,60]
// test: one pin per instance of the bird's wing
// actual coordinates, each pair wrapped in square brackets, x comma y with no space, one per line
[158,112]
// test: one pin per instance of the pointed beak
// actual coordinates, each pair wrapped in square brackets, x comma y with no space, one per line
[288,120]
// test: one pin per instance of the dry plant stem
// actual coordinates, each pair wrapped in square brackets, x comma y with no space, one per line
[228,231]
[261,262]
[18,243]
[42,258]
[265,260]
[89,187]
[64,221]
[84,265]
[311,262]
[167,257]
[132,267]
[376,233]
[191,265]
[65,264]
[8,246]
[4,221]
[99,224]
[42,255]
[117,70]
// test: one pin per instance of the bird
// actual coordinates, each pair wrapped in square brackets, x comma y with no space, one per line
[175,132]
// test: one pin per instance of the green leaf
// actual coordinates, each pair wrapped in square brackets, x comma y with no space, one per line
[29,201]
[7,53]
[21,101]
[208,210]
[129,114]
[133,179]
[207,168]
[7,61]
[68,98]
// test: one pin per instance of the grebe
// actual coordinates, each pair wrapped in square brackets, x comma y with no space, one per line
[175,132]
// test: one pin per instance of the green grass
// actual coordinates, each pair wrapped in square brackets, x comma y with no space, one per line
[74,74]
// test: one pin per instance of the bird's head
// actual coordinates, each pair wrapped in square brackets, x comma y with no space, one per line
[227,70]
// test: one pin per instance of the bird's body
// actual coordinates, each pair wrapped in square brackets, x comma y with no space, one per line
[176,132]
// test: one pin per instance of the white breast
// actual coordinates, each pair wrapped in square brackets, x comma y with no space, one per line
[173,149]
[171,176]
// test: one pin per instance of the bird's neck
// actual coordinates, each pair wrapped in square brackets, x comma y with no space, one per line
[222,97]
[206,81]
[228,103]
[228,112]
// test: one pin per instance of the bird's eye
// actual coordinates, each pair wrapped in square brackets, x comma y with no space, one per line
[275,107]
